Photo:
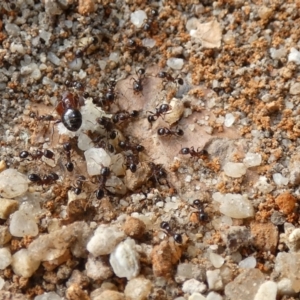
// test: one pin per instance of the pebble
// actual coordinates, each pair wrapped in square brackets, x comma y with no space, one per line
[53,58]
[22,224]
[5,258]
[75,292]
[193,286]
[236,206]
[264,236]
[196,296]
[2,283]
[214,280]
[86,7]
[12,184]
[235,170]
[294,56]
[48,296]
[285,287]
[5,236]
[248,263]
[7,207]
[267,291]
[96,158]
[110,295]
[229,120]
[214,296]
[125,260]
[263,185]
[175,63]
[105,239]
[97,269]
[134,227]
[12,29]
[252,160]
[149,43]
[216,259]
[138,288]
[23,263]
[286,202]
[287,265]
[245,285]
[279,179]
[236,237]
[187,271]
[138,17]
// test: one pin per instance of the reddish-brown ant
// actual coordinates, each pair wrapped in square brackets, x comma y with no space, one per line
[165,226]
[202,215]
[158,172]
[68,109]
[77,188]
[129,146]
[45,180]
[109,95]
[194,153]
[149,22]
[164,131]
[102,178]
[160,111]
[42,117]
[79,53]
[131,162]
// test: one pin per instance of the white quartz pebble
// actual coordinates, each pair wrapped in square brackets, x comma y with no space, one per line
[216,259]
[138,288]
[294,56]
[96,158]
[12,183]
[214,280]
[23,264]
[175,63]
[138,17]
[125,260]
[229,120]
[267,291]
[48,296]
[236,206]
[22,224]
[5,258]
[196,296]
[193,286]
[252,160]
[279,179]
[248,263]
[105,240]
[235,170]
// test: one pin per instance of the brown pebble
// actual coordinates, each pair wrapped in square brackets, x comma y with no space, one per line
[286,203]
[74,292]
[264,235]
[86,7]
[134,227]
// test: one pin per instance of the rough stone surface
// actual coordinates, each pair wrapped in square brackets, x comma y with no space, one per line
[111,295]
[22,224]
[235,170]
[236,206]
[12,183]
[286,203]
[245,286]
[105,239]
[24,264]
[214,280]
[193,286]
[134,227]
[236,237]
[5,236]
[96,268]
[264,236]
[5,258]
[7,207]
[125,259]
[138,289]
[267,291]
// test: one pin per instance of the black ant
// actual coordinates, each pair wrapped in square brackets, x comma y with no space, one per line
[160,111]
[169,78]
[165,226]
[122,116]
[77,189]
[38,154]
[106,123]
[202,215]
[137,84]
[164,131]
[99,142]
[194,153]
[131,162]
[109,95]
[102,178]
[129,146]
[69,165]
[158,172]
[33,115]
[45,180]
[68,109]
